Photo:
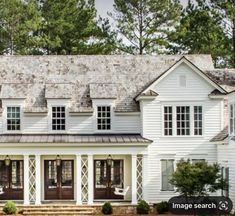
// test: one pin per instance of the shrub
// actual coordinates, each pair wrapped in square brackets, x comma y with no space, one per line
[107,208]
[162,207]
[143,207]
[10,208]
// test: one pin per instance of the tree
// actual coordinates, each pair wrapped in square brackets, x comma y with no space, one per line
[70,27]
[226,8]
[201,32]
[143,25]
[197,179]
[18,20]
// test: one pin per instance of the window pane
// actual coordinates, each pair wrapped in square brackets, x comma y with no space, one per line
[13,118]
[167,168]
[197,120]
[183,120]
[167,121]
[58,118]
[103,118]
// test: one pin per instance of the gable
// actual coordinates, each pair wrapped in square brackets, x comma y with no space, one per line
[183,84]
[185,70]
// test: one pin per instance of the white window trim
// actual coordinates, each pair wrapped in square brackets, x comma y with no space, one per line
[50,119]
[191,105]
[5,119]
[111,118]
[231,132]
[174,167]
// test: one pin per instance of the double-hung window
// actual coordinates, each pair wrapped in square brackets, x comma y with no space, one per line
[58,118]
[197,120]
[103,118]
[232,119]
[13,118]
[168,126]
[167,168]
[183,120]
[225,177]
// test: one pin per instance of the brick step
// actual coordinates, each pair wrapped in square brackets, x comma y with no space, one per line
[39,213]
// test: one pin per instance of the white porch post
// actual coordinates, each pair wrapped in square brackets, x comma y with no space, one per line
[134,179]
[144,176]
[79,180]
[38,179]
[90,179]
[26,179]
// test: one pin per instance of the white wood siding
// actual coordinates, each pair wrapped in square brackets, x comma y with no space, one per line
[196,92]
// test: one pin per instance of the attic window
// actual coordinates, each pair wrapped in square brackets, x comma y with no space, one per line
[58,118]
[13,118]
[182,81]
[103,117]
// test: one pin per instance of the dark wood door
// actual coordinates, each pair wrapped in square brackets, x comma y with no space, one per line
[11,179]
[59,180]
[107,177]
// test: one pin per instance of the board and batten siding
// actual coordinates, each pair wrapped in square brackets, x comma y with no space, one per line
[164,147]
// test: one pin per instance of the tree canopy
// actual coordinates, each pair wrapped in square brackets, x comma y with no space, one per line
[53,27]
[200,31]
[197,179]
[143,25]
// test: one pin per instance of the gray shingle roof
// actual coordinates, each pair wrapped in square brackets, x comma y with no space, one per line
[222,135]
[69,138]
[80,78]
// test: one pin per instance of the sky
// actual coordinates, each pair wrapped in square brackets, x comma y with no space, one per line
[103,6]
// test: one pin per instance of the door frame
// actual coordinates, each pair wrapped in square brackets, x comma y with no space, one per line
[111,190]
[59,190]
[13,193]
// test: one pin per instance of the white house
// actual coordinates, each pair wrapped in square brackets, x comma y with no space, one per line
[76,127]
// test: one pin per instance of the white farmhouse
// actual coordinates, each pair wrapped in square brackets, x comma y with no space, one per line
[75,128]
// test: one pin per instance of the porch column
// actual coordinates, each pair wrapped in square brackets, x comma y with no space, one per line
[90,179]
[26,179]
[38,179]
[79,180]
[133,179]
[144,176]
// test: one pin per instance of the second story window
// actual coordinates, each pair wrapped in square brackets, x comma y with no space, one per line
[183,120]
[13,118]
[168,121]
[232,119]
[103,118]
[197,120]
[58,118]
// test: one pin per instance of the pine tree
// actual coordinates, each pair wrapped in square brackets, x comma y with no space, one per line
[18,20]
[201,32]
[71,27]
[143,25]
[226,8]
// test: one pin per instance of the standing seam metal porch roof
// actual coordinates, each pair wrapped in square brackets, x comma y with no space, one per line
[72,138]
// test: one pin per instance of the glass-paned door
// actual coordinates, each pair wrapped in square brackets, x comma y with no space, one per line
[11,179]
[59,180]
[107,177]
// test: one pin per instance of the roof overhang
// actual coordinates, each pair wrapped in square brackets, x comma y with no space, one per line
[173,67]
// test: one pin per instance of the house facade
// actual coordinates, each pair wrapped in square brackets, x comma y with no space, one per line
[75,128]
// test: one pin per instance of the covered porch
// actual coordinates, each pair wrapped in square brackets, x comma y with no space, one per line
[78,173]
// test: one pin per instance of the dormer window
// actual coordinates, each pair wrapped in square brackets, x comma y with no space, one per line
[13,118]
[58,118]
[103,118]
